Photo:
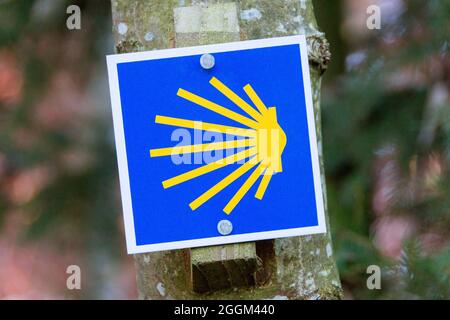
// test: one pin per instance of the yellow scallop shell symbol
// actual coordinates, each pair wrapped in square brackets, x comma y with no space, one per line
[263,139]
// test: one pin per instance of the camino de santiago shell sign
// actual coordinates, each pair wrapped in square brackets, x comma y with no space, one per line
[216,144]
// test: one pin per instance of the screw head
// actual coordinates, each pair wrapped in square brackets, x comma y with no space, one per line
[207,61]
[224,227]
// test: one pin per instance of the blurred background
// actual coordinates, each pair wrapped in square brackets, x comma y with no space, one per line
[386,128]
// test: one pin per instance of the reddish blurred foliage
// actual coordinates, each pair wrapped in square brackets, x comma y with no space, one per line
[37,269]
[392,227]
[61,109]
[63,105]
[391,231]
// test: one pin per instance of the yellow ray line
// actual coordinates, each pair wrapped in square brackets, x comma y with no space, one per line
[202,147]
[255,99]
[244,189]
[216,83]
[205,126]
[217,108]
[263,184]
[222,184]
[209,167]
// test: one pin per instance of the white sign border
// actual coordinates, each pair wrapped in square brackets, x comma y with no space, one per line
[113,60]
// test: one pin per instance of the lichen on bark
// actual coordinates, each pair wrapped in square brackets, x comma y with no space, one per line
[296,267]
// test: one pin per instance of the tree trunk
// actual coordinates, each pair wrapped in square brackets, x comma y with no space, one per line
[288,268]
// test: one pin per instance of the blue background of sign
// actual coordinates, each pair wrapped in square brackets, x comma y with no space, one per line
[148,88]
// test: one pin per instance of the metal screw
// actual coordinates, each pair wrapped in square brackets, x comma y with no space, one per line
[207,61]
[224,227]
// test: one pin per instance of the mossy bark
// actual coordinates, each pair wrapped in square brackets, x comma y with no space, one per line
[290,268]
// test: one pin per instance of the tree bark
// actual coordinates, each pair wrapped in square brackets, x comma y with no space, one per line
[288,268]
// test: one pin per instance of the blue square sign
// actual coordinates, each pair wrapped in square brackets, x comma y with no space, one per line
[216,144]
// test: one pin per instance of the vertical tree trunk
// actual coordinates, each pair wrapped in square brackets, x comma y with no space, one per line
[289,268]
